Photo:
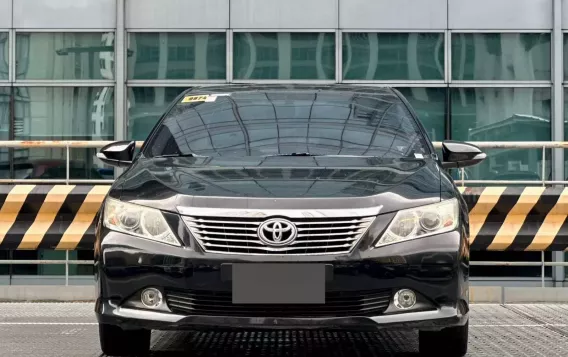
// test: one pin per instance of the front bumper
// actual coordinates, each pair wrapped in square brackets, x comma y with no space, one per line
[436,268]
[442,317]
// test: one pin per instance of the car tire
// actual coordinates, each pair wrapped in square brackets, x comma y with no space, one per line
[118,342]
[449,342]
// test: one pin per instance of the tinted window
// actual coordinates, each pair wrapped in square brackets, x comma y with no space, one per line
[273,122]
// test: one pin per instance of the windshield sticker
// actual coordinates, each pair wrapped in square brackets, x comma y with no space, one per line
[418,156]
[213,97]
[196,98]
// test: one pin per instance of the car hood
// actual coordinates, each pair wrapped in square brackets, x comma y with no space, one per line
[280,182]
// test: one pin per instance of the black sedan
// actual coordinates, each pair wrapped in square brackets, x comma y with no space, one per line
[284,207]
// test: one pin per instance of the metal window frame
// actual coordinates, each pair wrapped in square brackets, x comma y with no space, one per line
[379,30]
[229,57]
[63,83]
[338,56]
[174,30]
[283,30]
[500,84]
[9,32]
[392,83]
[173,83]
[448,56]
[549,31]
[401,85]
[12,55]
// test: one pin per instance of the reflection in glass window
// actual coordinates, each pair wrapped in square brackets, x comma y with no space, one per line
[284,56]
[51,269]
[265,123]
[393,56]
[146,106]
[4,130]
[61,113]
[430,106]
[62,55]
[565,61]
[64,113]
[4,53]
[503,114]
[175,55]
[566,131]
[501,56]
[50,163]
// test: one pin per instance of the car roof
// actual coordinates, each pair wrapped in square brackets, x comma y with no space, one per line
[379,91]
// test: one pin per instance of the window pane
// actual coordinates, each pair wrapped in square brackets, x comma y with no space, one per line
[64,113]
[146,106]
[4,51]
[4,113]
[46,55]
[177,55]
[50,163]
[430,106]
[50,269]
[393,56]
[503,114]
[284,56]
[566,135]
[4,131]
[501,56]
[566,64]
[4,268]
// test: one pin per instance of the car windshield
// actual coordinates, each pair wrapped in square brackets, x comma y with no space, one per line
[301,123]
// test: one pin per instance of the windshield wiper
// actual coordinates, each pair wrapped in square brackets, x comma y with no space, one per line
[295,154]
[179,155]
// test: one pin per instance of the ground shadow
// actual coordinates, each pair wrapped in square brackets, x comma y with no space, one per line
[284,343]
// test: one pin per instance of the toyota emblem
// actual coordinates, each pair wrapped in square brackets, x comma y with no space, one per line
[277,232]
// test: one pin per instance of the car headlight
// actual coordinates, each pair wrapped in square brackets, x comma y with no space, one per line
[138,221]
[421,222]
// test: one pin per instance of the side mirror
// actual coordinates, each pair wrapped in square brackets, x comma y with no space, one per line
[458,154]
[118,154]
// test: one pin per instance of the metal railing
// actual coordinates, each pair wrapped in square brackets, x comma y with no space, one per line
[67,145]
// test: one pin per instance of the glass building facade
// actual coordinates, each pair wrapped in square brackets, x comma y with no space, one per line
[107,70]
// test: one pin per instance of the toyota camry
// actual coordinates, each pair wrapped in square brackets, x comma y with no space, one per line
[285,207]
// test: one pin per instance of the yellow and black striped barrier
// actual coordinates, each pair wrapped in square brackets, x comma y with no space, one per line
[517,218]
[501,218]
[49,216]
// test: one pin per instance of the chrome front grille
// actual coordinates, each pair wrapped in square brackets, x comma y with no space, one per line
[239,235]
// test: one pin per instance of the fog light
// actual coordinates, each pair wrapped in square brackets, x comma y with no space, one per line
[404,299]
[151,298]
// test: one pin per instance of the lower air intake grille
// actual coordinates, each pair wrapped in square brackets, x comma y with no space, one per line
[338,304]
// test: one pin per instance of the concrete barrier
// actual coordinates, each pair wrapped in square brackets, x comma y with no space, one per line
[29,293]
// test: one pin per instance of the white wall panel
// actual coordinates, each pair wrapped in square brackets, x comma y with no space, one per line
[31,14]
[5,13]
[177,14]
[393,14]
[266,14]
[564,14]
[500,14]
